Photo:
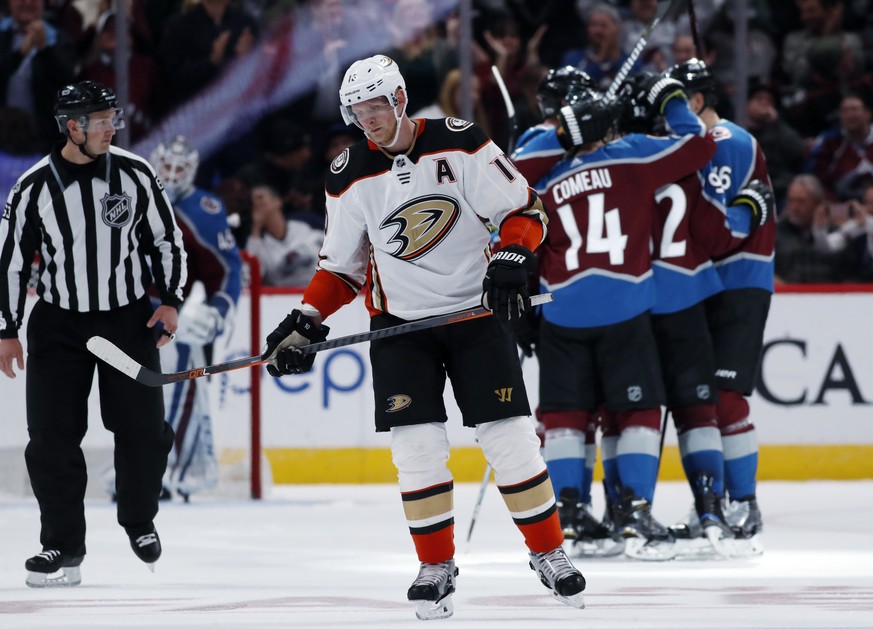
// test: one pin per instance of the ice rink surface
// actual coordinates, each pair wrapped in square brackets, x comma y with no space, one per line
[341,556]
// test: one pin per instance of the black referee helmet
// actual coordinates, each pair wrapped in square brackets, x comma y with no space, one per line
[77,100]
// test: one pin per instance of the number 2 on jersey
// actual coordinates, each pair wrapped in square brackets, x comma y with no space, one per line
[604,232]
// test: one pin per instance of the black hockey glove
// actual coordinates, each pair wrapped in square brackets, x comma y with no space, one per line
[659,90]
[504,289]
[636,114]
[296,330]
[758,196]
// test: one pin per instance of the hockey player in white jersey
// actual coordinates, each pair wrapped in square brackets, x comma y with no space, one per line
[408,210]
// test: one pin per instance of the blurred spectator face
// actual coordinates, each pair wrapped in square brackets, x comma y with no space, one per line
[25,11]
[867,200]
[854,116]
[761,109]
[812,14]
[603,29]
[265,202]
[800,204]
[644,10]
[683,49]
[415,15]
[507,32]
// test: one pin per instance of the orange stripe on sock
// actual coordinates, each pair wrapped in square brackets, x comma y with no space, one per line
[438,546]
[543,536]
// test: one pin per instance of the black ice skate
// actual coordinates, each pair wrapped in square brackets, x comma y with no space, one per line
[645,537]
[560,576]
[146,544]
[584,534]
[432,590]
[713,523]
[42,566]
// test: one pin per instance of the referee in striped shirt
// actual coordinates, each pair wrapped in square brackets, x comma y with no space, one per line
[105,233]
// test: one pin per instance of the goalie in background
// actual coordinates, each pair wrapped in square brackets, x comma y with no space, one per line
[211,294]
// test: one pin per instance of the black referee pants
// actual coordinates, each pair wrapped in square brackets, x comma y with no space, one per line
[59,374]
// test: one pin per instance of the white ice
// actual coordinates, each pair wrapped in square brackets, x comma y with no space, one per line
[341,556]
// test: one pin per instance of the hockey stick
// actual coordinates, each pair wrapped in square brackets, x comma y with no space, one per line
[692,23]
[510,109]
[674,7]
[109,352]
[485,480]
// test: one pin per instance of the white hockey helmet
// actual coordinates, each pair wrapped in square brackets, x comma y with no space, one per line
[176,164]
[367,79]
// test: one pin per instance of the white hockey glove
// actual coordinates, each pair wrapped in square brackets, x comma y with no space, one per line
[199,324]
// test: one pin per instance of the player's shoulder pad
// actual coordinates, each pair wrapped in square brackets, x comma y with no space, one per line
[452,134]
[355,162]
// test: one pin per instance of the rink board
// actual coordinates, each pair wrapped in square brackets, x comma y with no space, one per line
[812,407]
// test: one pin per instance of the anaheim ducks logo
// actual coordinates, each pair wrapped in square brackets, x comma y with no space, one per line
[421,224]
[398,403]
[339,162]
[456,124]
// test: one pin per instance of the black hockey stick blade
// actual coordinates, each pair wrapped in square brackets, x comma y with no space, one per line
[666,11]
[110,353]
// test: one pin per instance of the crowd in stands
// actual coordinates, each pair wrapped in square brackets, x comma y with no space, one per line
[810,95]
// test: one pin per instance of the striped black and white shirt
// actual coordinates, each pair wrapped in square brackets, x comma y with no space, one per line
[105,232]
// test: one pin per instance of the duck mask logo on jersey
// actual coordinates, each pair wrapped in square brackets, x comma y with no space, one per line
[421,224]
[116,210]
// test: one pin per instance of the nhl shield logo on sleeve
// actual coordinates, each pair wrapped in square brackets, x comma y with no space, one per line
[116,209]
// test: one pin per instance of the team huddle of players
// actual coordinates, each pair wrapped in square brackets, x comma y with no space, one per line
[660,257]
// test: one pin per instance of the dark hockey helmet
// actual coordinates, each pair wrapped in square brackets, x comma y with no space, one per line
[588,116]
[77,100]
[696,76]
[553,89]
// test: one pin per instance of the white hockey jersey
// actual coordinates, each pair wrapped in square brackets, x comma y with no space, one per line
[419,221]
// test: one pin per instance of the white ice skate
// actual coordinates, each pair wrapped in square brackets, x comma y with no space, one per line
[432,590]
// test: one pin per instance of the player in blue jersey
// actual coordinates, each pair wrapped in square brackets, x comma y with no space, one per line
[685,277]
[211,293]
[596,343]
[737,315]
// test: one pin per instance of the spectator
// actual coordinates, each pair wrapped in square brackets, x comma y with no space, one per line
[19,148]
[284,167]
[603,56]
[683,49]
[515,61]
[657,56]
[36,60]
[414,51]
[286,248]
[842,158]
[198,44]
[821,61]
[803,254]
[450,101]
[144,77]
[782,145]
[761,50]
